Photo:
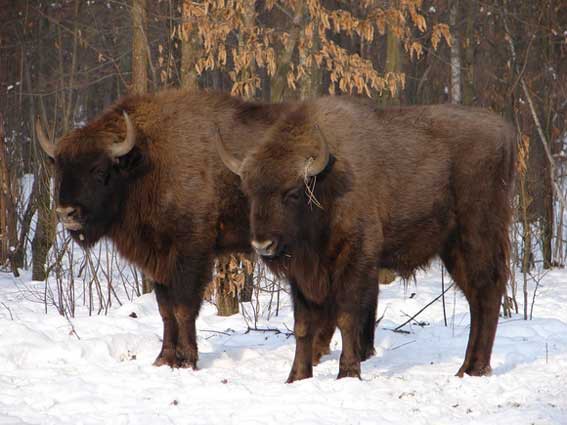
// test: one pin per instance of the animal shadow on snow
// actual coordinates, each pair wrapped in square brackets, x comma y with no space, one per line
[433,348]
[442,349]
[218,349]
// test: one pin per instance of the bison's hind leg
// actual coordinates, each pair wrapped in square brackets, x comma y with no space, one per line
[324,331]
[369,326]
[476,256]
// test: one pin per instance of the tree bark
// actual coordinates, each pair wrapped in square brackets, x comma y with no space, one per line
[189,52]
[311,83]
[279,79]
[140,76]
[248,270]
[226,287]
[45,227]
[393,62]
[8,230]
[469,45]
[456,97]
[139,49]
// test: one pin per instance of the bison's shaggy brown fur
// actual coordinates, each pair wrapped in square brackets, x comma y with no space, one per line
[396,188]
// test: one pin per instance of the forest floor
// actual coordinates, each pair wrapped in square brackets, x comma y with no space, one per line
[98,370]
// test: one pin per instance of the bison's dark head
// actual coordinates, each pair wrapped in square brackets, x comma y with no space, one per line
[92,167]
[277,177]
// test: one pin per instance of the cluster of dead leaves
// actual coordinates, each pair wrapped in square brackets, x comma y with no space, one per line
[230,35]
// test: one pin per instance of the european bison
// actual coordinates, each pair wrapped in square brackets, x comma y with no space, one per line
[146,175]
[340,188]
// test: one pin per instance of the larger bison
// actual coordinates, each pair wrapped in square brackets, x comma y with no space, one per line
[146,175]
[340,188]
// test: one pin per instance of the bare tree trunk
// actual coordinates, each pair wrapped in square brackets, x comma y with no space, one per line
[45,229]
[279,79]
[227,286]
[393,62]
[8,231]
[548,201]
[527,237]
[455,54]
[140,75]
[237,270]
[189,51]
[311,83]
[139,49]
[468,54]
[548,167]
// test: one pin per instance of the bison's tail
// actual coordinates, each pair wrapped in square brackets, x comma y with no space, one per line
[509,171]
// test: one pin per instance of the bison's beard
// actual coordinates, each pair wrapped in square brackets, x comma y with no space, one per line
[88,235]
[301,265]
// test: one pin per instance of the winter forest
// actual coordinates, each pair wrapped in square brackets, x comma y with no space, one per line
[80,328]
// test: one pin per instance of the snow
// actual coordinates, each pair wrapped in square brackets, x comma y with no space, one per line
[97,369]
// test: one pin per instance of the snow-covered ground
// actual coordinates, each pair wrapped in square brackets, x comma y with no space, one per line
[102,373]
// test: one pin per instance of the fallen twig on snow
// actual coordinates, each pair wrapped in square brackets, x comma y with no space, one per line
[398,329]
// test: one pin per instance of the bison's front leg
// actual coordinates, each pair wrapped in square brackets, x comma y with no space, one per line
[179,303]
[304,330]
[186,350]
[350,325]
[188,283]
[167,354]
[356,303]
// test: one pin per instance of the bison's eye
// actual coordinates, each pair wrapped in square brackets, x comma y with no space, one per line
[293,195]
[100,174]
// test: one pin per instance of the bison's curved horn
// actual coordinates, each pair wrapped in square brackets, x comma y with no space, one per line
[121,149]
[320,163]
[44,142]
[232,163]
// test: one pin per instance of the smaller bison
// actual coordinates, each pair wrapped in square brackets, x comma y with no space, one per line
[340,188]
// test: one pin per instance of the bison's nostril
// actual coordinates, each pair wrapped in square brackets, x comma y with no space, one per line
[265,248]
[262,245]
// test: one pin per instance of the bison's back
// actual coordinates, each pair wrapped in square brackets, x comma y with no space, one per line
[419,170]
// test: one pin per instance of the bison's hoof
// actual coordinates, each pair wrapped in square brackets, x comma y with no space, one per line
[187,357]
[186,364]
[298,376]
[485,370]
[351,371]
[166,358]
